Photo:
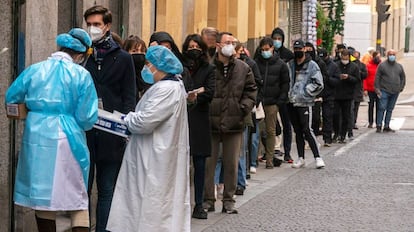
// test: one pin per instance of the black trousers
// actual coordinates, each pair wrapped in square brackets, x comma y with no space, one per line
[199,163]
[301,118]
[372,107]
[316,118]
[327,118]
[287,128]
[342,117]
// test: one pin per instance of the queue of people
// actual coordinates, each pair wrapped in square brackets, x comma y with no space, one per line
[196,109]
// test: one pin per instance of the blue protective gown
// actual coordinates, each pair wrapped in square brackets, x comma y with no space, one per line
[60,97]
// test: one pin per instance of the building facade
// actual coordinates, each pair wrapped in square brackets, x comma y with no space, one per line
[361,25]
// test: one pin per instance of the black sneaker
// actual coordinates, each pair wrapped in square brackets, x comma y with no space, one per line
[288,159]
[199,212]
[387,129]
[239,191]
[378,130]
[277,162]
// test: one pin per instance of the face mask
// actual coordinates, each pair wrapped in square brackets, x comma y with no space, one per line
[95,33]
[299,54]
[147,75]
[194,54]
[311,54]
[376,60]
[139,61]
[277,44]
[227,50]
[243,56]
[266,54]
[345,62]
[391,58]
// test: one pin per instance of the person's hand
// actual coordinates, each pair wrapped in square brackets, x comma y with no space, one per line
[365,93]
[344,76]
[192,96]
[378,93]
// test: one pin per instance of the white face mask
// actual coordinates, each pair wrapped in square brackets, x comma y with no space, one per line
[345,62]
[227,50]
[95,33]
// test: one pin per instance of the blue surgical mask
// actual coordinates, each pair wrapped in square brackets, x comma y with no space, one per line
[267,54]
[147,75]
[277,44]
[391,58]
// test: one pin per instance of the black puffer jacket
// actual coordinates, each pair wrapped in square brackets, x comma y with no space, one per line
[234,96]
[275,75]
[284,53]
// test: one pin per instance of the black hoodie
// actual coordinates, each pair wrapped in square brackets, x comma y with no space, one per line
[163,36]
[284,53]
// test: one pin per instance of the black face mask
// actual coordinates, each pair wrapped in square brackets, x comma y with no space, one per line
[376,60]
[139,62]
[312,54]
[243,56]
[299,54]
[194,54]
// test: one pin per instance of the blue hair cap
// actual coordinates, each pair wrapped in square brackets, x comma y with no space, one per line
[76,39]
[163,59]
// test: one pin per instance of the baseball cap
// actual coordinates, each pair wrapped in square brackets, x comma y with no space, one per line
[298,44]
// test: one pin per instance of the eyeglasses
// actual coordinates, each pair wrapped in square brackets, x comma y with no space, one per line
[229,43]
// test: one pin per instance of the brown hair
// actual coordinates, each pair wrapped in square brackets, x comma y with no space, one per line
[134,41]
[97,9]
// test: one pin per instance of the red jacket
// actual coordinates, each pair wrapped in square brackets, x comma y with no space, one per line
[369,81]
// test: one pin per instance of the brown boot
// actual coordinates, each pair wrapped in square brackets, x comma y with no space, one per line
[46,225]
[80,229]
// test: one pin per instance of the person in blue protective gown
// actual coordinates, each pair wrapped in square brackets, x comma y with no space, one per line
[152,191]
[53,164]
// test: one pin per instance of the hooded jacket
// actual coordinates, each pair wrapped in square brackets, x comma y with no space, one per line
[284,53]
[163,36]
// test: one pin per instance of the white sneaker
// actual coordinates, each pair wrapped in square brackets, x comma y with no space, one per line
[319,163]
[252,170]
[299,163]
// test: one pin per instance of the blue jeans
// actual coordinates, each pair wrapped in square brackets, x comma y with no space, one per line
[106,175]
[218,172]
[386,105]
[255,145]
[241,173]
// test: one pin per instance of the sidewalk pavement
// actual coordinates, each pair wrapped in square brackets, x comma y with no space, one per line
[264,179]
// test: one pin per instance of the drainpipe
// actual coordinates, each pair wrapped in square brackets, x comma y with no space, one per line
[12,123]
